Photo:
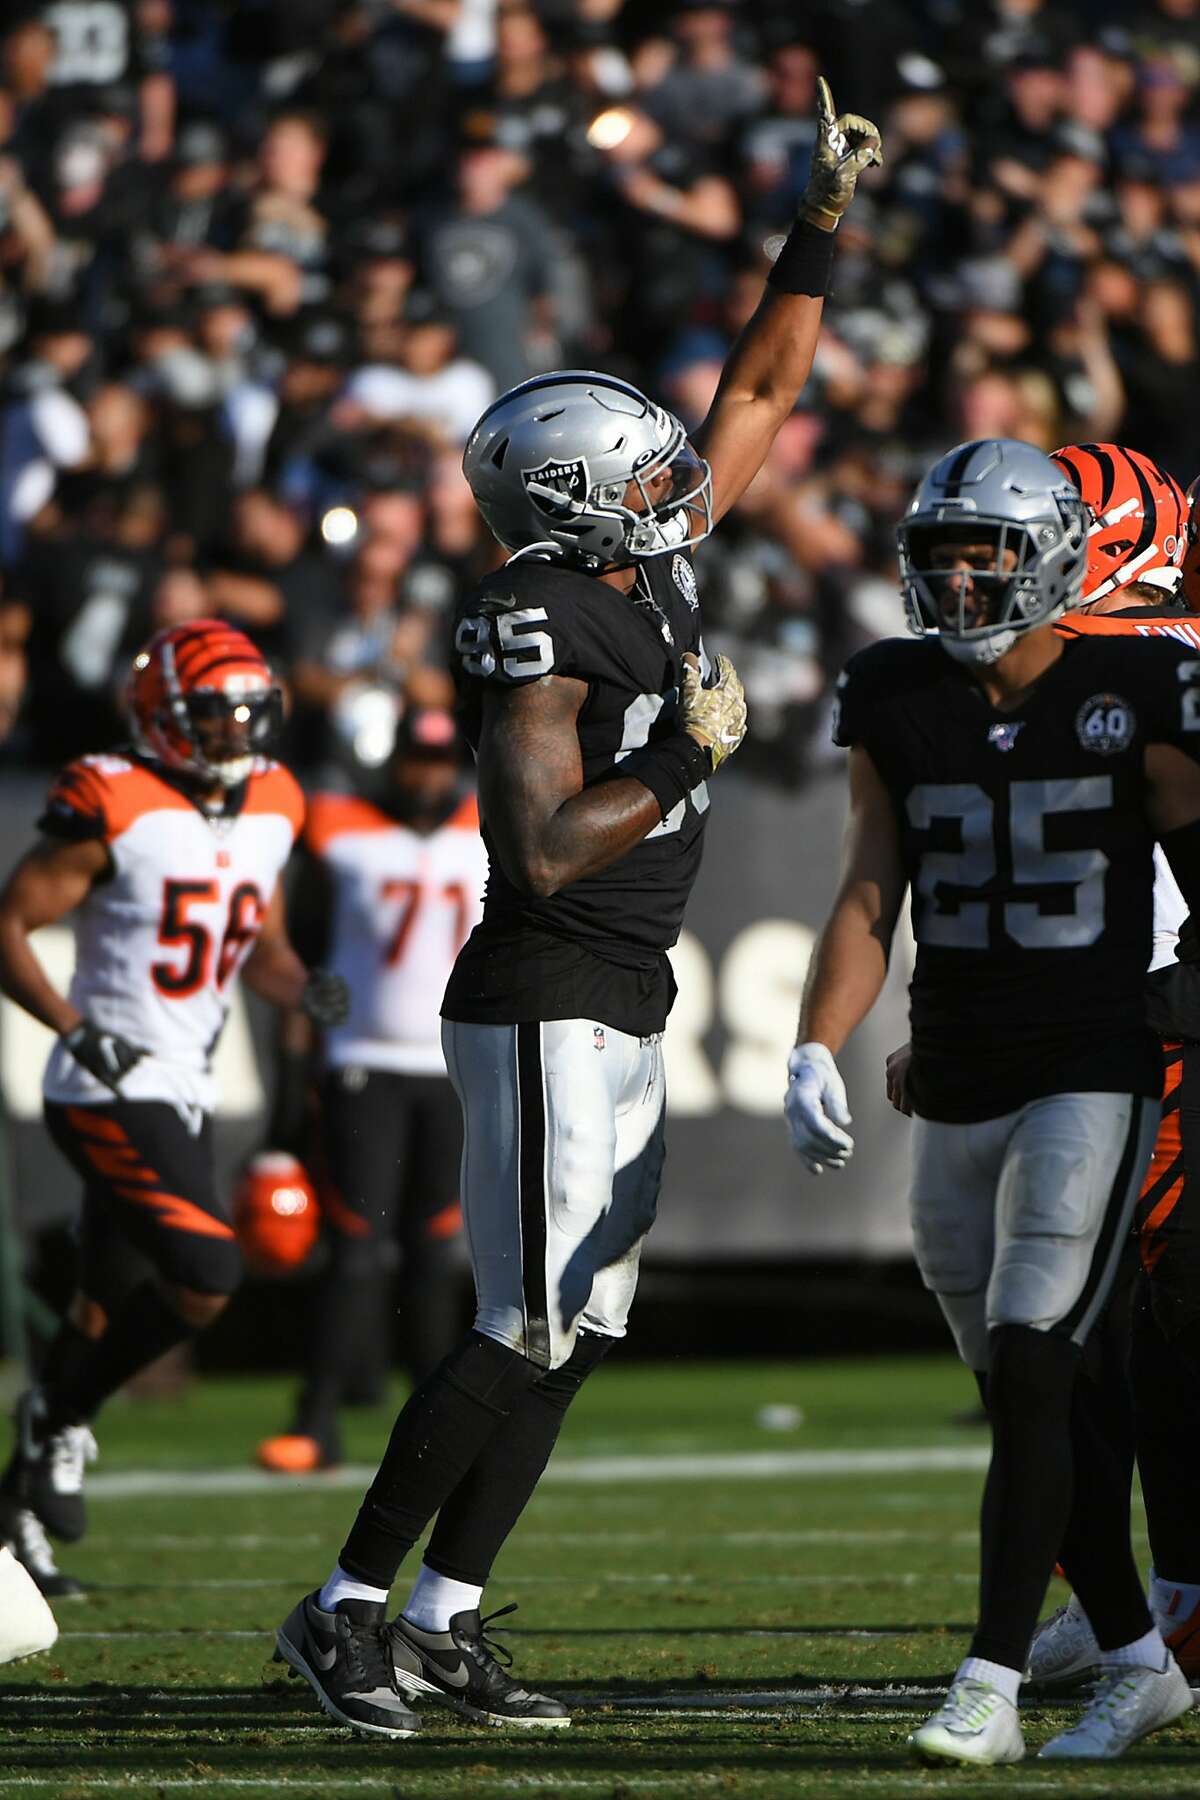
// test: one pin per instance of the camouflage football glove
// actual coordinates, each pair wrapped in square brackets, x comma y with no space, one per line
[846,145]
[102,1053]
[715,717]
[326,998]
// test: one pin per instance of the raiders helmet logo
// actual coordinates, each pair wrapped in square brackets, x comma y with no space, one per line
[553,485]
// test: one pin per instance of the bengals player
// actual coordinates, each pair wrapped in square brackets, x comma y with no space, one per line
[390,889]
[168,855]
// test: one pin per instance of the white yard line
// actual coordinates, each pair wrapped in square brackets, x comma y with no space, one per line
[751,1465]
[760,1631]
[169,1540]
[613,1577]
[286,1541]
[340,1784]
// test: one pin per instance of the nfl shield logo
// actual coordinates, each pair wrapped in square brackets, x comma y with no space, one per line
[684,577]
[598,1037]
[1004,736]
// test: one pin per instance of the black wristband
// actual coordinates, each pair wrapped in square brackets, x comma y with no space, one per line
[670,769]
[803,265]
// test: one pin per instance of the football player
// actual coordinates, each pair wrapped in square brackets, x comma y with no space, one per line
[1017,778]
[168,856]
[394,888]
[597,719]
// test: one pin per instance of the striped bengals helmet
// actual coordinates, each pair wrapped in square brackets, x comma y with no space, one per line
[1138,529]
[202,700]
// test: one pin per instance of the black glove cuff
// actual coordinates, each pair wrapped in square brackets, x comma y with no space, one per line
[670,769]
[803,265]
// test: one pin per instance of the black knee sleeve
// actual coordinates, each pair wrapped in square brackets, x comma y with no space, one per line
[1027,1496]
[441,1431]
[1030,1371]
[208,1266]
[558,1387]
[478,1516]
[490,1373]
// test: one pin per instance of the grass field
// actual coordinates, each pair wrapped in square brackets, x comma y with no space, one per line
[734,1609]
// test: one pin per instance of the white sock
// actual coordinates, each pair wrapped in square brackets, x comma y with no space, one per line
[435,1599]
[1148,1652]
[1006,1681]
[341,1586]
[1171,1602]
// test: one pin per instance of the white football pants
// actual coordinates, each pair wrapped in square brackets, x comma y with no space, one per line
[1021,1220]
[563,1145]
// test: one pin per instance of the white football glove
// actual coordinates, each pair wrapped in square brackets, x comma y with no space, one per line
[816,1109]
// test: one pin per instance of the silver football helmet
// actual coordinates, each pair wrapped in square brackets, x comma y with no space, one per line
[993,544]
[584,466]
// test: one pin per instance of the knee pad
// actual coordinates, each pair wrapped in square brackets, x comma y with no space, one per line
[1029,1371]
[558,1387]
[489,1372]
[209,1266]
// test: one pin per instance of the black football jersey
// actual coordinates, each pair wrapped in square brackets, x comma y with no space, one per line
[597,948]
[1030,858]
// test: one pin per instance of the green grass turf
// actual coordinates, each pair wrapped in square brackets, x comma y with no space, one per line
[769,1637]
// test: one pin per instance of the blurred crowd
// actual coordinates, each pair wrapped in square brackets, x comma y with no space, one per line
[263,262]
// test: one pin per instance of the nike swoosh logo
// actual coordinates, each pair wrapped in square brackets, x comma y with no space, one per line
[324,1659]
[457,1677]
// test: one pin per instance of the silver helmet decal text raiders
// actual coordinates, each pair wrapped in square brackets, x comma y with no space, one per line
[993,544]
[586,467]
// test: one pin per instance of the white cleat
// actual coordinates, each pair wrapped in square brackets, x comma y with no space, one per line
[1128,1704]
[975,1724]
[26,1623]
[1064,1648]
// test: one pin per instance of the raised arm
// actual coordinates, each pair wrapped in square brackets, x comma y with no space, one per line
[546,827]
[771,360]
[847,970]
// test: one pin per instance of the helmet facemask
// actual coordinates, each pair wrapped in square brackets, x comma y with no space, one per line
[979,582]
[673,486]
[675,490]
[230,728]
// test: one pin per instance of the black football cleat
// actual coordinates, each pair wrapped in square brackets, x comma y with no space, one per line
[45,1470]
[346,1658]
[466,1671]
[22,1531]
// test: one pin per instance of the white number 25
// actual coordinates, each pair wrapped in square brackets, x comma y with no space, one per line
[525,651]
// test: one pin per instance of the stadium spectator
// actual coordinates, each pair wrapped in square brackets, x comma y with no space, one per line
[486,257]
[365,221]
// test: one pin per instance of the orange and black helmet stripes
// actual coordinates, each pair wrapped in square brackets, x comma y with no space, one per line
[1139,518]
[194,669]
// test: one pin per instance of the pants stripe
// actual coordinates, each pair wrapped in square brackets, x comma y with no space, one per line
[531,1178]
[1114,1228]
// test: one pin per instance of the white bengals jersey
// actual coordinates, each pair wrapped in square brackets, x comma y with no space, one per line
[159,942]
[404,904]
